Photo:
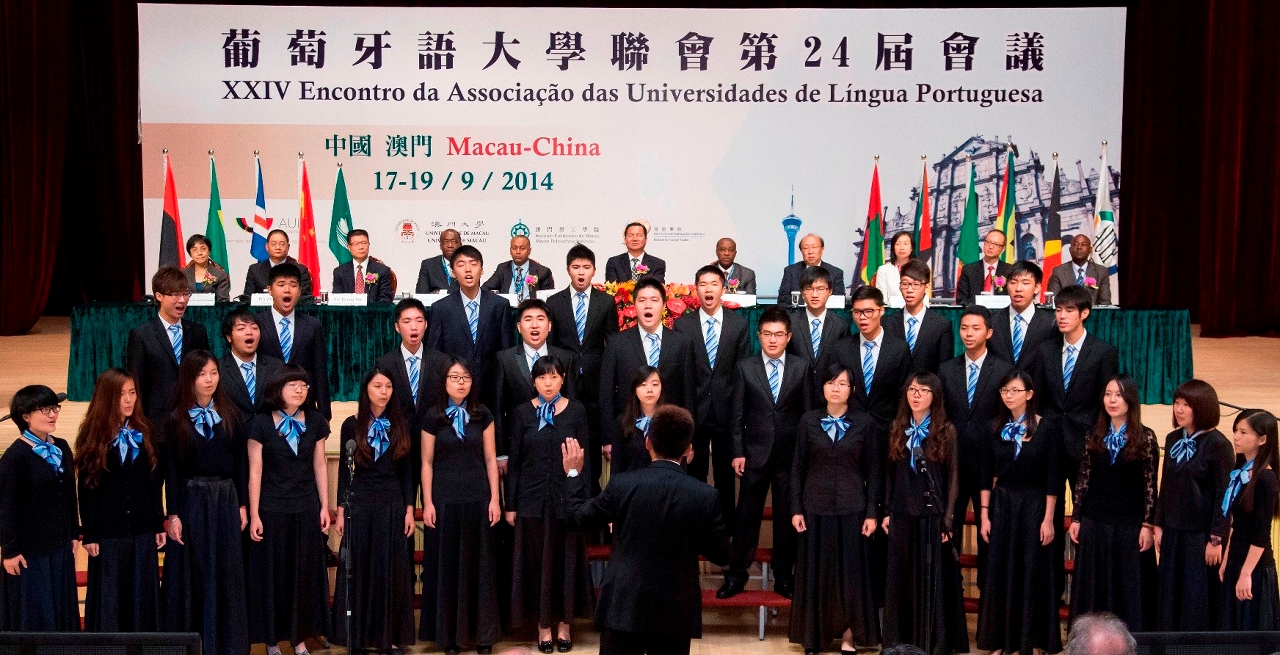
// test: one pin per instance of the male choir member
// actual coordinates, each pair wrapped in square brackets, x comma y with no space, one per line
[470,323]
[1020,328]
[415,369]
[818,332]
[811,249]
[203,274]
[663,521]
[245,371]
[1082,272]
[363,274]
[258,277]
[983,275]
[38,526]
[520,275]
[727,260]
[649,342]
[514,386]
[120,512]
[436,273]
[880,364]
[295,338]
[929,335]
[583,319]
[719,341]
[635,263]
[1250,600]
[770,395]
[156,347]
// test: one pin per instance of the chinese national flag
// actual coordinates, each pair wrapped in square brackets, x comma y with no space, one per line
[308,251]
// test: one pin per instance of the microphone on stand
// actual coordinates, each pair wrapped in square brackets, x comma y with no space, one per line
[61,397]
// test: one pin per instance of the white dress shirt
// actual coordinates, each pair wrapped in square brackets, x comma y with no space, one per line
[644,340]
[253,366]
[718,326]
[906,313]
[1079,345]
[979,361]
[782,365]
[1026,314]
[293,325]
[169,333]
[529,353]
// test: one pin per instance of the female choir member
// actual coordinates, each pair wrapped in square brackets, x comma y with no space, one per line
[646,395]
[1250,600]
[1018,610]
[923,603]
[460,505]
[1190,530]
[1115,498]
[835,483]
[288,516]
[38,527]
[120,511]
[550,571]
[206,488]
[381,493]
[887,277]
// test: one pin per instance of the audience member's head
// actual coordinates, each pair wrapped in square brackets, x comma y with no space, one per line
[1100,633]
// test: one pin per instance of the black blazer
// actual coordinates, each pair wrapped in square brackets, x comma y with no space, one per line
[232,381]
[836,478]
[935,339]
[791,280]
[763,429]
[745,276]
[892,369]
[513,383]
[431,370]
[258,277]
[835,330]
[151,361]
[974,424]
[308,351]
[344,280]
[432,276]
[126,500]
[714,389]
[601,326]
[450,333]
[618,268]
[1043,329]
[663,521]
[1072,412]
[500,281]
[971,277]
[624,356]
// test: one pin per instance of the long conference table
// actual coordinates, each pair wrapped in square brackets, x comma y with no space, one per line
[1154,344]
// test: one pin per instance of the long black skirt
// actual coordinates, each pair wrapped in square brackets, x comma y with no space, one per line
[382,580]
[289,600]
[1108,575]
[551,583]
[1189,590]
[1018,610]
[124,586]
[1260,613]
[923,602]
[203,586]
[43,598]
[460,585]
[833,584]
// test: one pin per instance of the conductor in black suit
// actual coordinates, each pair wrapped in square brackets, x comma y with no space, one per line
[295,338]
[470,323]
[980,276]
[1020,328]
[512,276]
[635,262]
[513,379]
[156,347]
[663,521]
[244,372]
[929,335]
[812,247]
[816,331]
[436,274]
[363,274]
[258,277]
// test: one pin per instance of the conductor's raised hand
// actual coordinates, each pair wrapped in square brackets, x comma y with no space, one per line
[572,455]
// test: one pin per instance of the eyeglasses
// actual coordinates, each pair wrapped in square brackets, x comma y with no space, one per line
[912,285]
[773,335]
[184,294]
[865,313]
[297,386]
[50,411]
[459,379]
[818,289]
[1009,391]
[918,391]
[839,384]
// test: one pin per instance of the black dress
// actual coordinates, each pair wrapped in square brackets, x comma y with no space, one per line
[632,454]
[122,514]
[924,602]
[836,484]
[289,599]
[1189,513]
[203,586]
[1113,501]
[1018,610]
[1252,527]
[460,584]
[550,580]
[381,560]
[38,522]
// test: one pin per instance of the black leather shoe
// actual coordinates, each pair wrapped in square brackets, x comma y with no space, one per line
[564,645]
[731,587]
[546,647]
[785,588]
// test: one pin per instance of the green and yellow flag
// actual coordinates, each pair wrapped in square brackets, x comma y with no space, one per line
[213,229]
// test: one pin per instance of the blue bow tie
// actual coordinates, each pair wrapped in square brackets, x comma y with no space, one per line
[1015,431]
[128,441]
[916,434]
[1184,449]
[291,429]
[547,412]
[642,424]
[378,439]
[204,418]
[1115,440]
[460,418]
[835,427]
[1239,478]
[47,451]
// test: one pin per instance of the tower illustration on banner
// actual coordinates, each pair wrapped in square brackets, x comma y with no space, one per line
[791,225]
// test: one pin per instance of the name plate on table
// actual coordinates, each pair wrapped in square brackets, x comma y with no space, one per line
[742,299]
[349,299]
[895,302]
[992,301]
[260,300]
[202,300]
[835,302]
[430,299]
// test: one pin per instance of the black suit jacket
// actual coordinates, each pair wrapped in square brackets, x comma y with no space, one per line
[232,381]
[500,281]
[663,521]
[258,277]
[1043,329]
[935,339]
[974,423]
[431,370]
[714,388]
[618,268]
[151,361]
[834,478]
[791,280]
[450,333]
[344,280]
[601,326]
[432,276]
[624,356]
[308,351]
[892,369]
[764,430]
[1072,412]
[971,277]
[514,386]
[834,331]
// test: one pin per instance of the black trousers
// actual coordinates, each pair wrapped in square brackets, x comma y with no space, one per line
[613,642]
[970,489]
[713,450]
[755,486]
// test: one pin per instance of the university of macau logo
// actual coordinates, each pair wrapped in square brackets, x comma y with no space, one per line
[520,230]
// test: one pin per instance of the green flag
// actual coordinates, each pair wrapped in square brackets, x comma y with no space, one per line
[968,249]
[340,225]
[213,229]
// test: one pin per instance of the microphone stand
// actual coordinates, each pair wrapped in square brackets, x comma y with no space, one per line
[344,550]
[930,493]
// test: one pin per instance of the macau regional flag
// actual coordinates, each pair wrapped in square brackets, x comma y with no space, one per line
[340,221]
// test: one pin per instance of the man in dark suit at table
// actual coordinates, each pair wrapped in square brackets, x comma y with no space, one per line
[663,521]
[816,331]
[720,341]
[258,277]
[981,276]
[583,319]
[295,338]
[244,372]
[363,274]
[513,379]
[156,347]
[812,247]
[512,276]
[435,274]
[928,334]
[635,262]
[470,323]
[1083,273]
[1020,328]
[738,278]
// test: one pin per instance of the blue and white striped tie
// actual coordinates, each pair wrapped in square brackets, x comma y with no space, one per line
[176,341]
[815,335]
[250,381]
[713,342]
[972,386]
[580,316]
[1069,367]
[1017,336]
[911,333]
[775,380]
[414,374]
[868,366]
[655,349]
[286,339]
[473,318]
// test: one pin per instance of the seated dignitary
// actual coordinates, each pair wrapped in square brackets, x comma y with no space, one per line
[635,262]
[258,277]
[811,249]
[203,274]
[1082,272]
[984,275]
[520,275]
[738,278]
[363,274]
[436,273]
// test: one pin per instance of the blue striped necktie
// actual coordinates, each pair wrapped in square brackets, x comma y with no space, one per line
[1080,276]
[286,340]
[713,342]
[972,385]
[473,318]
[868,366]
[1017,336]
[448,274]
[414,375]
[176,341]
[1068,367]
[580,316]
[815,335]
[655,349]
[250,381]
[775,380]
[911,333]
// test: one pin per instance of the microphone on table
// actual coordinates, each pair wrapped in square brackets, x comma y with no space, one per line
[61,397]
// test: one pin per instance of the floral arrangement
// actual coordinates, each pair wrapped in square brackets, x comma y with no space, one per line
[733,284]
[641,271]
[531,280]
[371,278]
[681,299]
[998,282]
[1090,283]
[209,279]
